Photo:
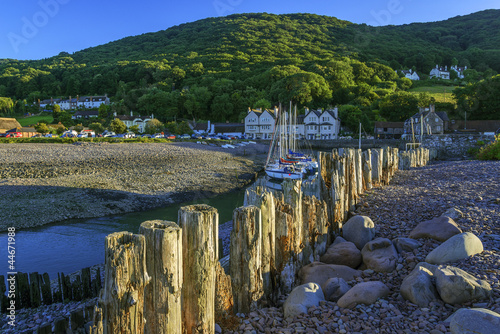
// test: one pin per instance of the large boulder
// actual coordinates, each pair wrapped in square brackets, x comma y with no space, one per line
[342,252]
[359,230]
[418,287]
[319,273]
[406,244]
[456,286]
[458,247]
[335,288]
[363,293]
[380,255]
[475,321]
[440,228]
[301,298]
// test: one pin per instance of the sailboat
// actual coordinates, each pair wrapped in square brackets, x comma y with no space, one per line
[289,164]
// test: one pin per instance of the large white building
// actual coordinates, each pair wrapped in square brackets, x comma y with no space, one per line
[314,125]
[440,72]
[132,120]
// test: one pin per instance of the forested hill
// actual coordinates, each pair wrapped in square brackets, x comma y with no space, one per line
[216,67]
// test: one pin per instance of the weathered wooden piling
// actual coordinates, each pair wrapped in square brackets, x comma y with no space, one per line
[46,289]
[245,259]
[367,169]
[200,226]
[162,303]
[22,290]
[35,296]
[122,298]
[315,228]
[377,159]
[86,283]
[292,195]
[285,257]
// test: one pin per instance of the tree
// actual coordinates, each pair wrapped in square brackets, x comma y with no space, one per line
[42,128]
[6,105]
[153,126]
[134,129]
[399,106]
[183,127]
[118,126]
[96,127]
[302,88]
[197,101]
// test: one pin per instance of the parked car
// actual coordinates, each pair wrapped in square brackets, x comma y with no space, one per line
[3,135]
[195,136]
[108,134]
[14,135]
[170,136]
[83,135]
[146,136]
[184,136]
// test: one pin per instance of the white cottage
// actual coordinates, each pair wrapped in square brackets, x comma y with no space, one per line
[440,72]
[260,124]
[410,74]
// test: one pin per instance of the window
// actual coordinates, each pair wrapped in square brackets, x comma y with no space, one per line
[436,120]
[438,128]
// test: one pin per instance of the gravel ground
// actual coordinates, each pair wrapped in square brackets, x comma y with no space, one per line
[45,183]
[412,197]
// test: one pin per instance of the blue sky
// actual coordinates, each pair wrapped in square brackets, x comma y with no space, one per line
[35,29]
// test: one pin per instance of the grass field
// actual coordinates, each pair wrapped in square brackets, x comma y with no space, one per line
[34,119]
[440,93]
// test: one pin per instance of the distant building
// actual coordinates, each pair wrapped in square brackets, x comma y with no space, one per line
[440,72]
[85,114]
[428,120]
[131,120]
[7,124]
[87,102]
[410,74]
[260,124]
[314,125]
[459,71]
[389,130]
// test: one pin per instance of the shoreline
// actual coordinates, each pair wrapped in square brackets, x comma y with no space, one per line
[49,183]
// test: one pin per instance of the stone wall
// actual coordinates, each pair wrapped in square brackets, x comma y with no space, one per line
[454,145]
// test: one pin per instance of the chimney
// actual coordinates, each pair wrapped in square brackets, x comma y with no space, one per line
[446,67]
[306,109]
[114,114]
[131,113]
[249,110]
[465,67]
[208,127]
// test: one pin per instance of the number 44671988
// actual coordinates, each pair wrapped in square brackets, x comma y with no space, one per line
[11,248]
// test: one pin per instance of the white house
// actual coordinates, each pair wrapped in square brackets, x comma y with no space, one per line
[410,74]
[321,124]
[459,71]
[260,124]
[440,72]
[132,120]
[314,125]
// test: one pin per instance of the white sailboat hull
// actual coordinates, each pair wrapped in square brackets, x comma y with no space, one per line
[277,173]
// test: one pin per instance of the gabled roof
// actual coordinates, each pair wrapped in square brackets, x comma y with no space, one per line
[443,115]
[87,113]
[201,127]
[331,113]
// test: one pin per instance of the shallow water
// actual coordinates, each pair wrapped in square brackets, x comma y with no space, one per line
[74,244]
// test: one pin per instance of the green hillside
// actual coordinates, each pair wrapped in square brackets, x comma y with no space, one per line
[217,67]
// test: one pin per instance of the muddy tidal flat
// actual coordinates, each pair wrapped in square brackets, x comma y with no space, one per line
[45,183]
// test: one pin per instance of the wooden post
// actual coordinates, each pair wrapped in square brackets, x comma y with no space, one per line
[285,241]
[292,195]
[122,298]
[377,166]
[97,323]
[367,169]
[358,171]
[96,283]
[200,226]
[22,290]
[315,222]
[76,288]
[86,283]
[245,259]
[162,303]
[268,214]
[46,290]
[3,297]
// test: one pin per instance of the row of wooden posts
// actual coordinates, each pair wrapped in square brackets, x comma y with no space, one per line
[168,278]
[33,289]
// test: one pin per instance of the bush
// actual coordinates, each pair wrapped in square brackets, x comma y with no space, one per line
[490,151]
